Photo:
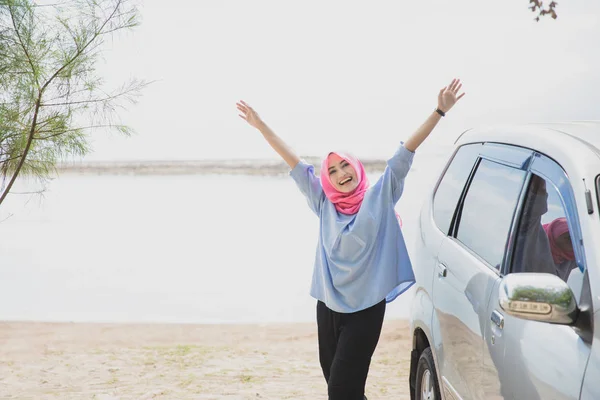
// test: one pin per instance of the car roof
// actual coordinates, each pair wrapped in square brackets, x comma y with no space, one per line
[587,132]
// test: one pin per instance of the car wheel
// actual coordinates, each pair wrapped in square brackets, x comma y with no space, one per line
[427,382]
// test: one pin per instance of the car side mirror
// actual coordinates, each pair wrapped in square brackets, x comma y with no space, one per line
[538,297]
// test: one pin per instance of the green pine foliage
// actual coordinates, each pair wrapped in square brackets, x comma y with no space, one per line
[51,95]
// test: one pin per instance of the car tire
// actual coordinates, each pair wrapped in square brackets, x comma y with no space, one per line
[427,387]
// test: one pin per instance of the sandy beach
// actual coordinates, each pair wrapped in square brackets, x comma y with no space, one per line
[168,361]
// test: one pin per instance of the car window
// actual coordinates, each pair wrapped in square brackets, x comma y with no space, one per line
[488,210]
[543,242]
[452,184]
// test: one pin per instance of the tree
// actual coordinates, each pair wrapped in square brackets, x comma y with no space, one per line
[538,5]
[51,96]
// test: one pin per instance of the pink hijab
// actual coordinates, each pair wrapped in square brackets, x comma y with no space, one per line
[347,203]
[553,230]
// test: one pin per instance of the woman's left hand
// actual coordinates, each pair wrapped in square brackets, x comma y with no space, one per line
[448,95]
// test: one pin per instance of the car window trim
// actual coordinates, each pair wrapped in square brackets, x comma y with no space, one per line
[598,192]
[485,263]
[441,179]
[540,167]
[510,155]
[507,260]
[455,221]
[492,153]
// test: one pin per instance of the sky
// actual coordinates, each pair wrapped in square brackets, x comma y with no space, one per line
[343,75]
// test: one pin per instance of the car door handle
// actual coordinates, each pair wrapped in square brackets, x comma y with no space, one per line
[442,270]
[498,319]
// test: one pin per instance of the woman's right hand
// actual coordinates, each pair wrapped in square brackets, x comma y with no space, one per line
[249,115]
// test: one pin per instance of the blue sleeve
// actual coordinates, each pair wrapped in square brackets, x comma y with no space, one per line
[399,165]
[310,186]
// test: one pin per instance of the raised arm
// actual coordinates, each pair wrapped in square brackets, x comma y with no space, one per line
[301,172]
[249,115]
[446,100]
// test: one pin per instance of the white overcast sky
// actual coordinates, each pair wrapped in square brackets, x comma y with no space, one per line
[350,75]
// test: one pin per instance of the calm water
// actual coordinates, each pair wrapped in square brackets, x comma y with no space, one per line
[186,248]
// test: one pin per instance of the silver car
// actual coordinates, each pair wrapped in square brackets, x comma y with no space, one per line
[508,268]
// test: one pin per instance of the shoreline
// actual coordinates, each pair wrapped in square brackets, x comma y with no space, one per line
[199,167]
[74,360]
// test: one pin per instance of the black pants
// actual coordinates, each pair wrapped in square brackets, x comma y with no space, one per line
[346,344]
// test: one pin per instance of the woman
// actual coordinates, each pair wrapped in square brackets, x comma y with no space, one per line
[361,261]
[543,248]
[561,247]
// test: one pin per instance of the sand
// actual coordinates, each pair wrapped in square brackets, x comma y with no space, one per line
[168,361]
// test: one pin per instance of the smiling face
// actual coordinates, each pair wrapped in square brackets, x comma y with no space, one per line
[341,174]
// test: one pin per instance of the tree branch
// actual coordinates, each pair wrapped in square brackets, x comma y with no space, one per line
[3,138]
[79,51]
[60,72]
[69,93]
[69,103]
[62,132]
[25,152]
[10,159]
[12,17]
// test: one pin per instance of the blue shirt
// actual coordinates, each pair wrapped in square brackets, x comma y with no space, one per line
[362,258]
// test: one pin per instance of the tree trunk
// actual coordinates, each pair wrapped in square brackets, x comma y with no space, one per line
[27,147]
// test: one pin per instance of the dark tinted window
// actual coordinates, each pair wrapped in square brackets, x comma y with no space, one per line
[489,208]
[452,184]
[543,242]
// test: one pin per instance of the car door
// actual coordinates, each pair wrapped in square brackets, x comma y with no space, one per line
[539,360]
[469,262]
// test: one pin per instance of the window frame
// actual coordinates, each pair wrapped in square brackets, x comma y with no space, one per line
[500,153]
[510,156]
[491,156]
[441,179]
[545,167]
